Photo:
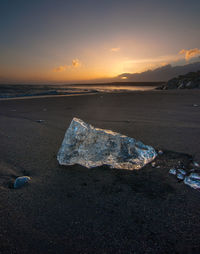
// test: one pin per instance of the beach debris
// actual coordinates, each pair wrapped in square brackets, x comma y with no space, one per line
[40,121]
[172,171]
[21,181]
[93,147]
[160,152]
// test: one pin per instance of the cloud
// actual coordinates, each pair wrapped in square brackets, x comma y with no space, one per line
[75,64]
[60,68]
[115,49]
[190,53]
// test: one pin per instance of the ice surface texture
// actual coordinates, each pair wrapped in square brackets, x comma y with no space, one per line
[92,147]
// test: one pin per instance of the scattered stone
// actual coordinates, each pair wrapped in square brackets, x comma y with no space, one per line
[180,176]
[192,182]
[172,171]
[195,105]
[190,85]
[196,164]
[181,171]
[93,147]
[194,176]
[181,86]
[21,181]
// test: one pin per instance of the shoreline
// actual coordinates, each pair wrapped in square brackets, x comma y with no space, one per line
[39,91]
[44,96]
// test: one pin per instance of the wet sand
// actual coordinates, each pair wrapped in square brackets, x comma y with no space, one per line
[79,210]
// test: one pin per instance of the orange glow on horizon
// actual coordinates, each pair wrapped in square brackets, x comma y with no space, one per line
[92,66]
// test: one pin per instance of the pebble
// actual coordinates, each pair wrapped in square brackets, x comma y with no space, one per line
[21,181]
[192,183]
[180,176]
[194,176]
[181,171]
[172,171]
[196,164]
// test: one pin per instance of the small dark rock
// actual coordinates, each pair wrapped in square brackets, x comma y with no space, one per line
[21,181]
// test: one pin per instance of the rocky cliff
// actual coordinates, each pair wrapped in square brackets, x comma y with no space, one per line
[188,81]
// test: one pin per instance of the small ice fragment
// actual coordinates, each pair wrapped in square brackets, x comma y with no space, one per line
[196,164]
[21,181]
[172,171]
[160,152]
[194,176]
[180,176]
[192,183]
[181,171]
[92,147]
[153,164]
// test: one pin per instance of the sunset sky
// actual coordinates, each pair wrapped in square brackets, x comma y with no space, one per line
[64,40]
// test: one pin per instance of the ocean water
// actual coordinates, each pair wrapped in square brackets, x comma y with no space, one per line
[110,88]
[25,91]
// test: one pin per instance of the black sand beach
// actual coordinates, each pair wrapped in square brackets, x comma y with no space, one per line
[78,210]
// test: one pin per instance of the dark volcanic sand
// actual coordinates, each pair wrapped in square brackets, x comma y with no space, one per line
[79,210]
